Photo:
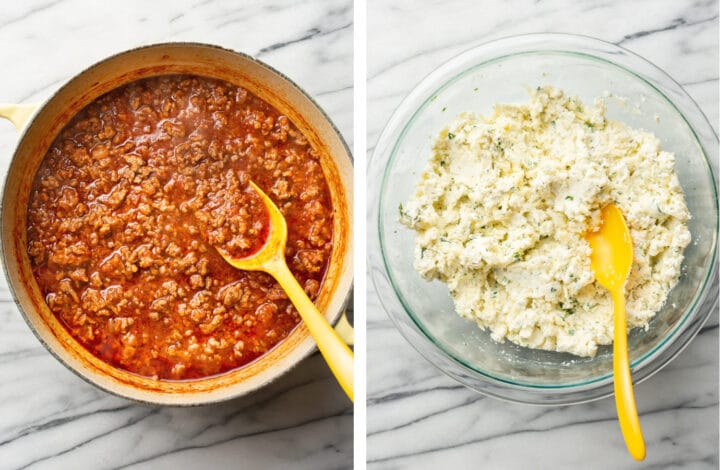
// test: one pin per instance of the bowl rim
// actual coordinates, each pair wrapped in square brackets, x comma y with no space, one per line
[343,292]
[443,77]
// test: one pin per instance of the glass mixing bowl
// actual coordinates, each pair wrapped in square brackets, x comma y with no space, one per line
[638,94]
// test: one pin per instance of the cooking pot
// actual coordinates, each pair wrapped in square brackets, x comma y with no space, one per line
[39,126]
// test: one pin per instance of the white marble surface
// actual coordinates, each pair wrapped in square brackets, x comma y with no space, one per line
[417,417]
[49,418]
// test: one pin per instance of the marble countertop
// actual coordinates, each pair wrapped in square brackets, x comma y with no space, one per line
[49,418]
[419,418]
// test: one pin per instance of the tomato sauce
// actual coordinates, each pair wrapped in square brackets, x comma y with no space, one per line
[130,202]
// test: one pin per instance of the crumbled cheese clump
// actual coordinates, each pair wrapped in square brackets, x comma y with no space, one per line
[501,212]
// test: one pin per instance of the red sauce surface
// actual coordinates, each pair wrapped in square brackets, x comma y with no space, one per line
[129,203]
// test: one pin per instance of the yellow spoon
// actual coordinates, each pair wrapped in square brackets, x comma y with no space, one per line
[270,258]
[611,260]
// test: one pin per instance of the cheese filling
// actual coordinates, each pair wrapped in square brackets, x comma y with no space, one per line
[501,211]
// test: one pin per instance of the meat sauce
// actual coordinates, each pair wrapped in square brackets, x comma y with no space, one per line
[130,202]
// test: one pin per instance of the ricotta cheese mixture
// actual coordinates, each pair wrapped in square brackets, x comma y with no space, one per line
[502,208]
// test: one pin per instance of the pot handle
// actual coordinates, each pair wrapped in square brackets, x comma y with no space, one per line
[18,114]
[345,330]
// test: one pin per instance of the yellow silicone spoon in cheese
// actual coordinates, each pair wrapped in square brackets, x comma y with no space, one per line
[270,258]
[611,260]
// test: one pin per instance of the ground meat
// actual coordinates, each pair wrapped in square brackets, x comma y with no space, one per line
[129,203]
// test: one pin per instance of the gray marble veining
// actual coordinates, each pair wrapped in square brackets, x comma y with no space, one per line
[417,417]
[50,418]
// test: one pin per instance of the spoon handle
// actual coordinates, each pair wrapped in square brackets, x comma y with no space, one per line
[624,395]
[336,353]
